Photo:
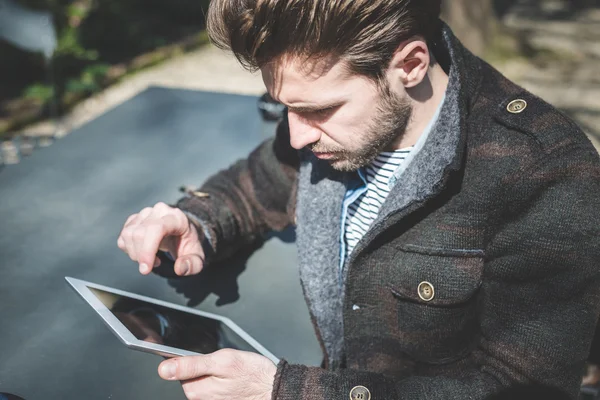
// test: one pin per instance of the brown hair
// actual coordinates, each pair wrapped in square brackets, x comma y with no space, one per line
[364,33]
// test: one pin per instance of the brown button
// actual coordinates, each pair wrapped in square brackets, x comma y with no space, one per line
[360,393]
[201,194]
[426,291]
[190,190]
[517,106]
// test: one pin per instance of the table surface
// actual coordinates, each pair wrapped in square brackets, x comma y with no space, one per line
[62,210]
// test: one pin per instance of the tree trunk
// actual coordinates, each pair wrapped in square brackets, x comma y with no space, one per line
[473,21]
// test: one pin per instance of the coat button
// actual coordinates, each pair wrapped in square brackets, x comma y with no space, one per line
[426,291]
[517,106]
[360,393]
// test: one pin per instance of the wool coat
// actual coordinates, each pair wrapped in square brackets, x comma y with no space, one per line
[480,272]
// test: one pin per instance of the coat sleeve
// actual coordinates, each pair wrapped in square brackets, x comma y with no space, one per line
[253,196]
[540,297]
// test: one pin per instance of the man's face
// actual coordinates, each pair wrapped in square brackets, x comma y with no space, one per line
[344,118]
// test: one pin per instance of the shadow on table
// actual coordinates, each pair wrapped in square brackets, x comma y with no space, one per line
[221,278]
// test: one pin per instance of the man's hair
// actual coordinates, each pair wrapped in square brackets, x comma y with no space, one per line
[364,33]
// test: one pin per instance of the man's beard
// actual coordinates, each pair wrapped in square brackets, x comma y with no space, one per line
[393,116]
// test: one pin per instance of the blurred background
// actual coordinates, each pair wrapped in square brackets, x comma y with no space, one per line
[64,62]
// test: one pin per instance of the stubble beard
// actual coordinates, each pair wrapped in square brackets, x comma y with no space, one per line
[393,116]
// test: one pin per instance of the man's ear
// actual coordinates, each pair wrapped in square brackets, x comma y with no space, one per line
[410,63]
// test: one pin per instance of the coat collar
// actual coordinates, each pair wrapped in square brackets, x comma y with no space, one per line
[442,151]
[321,192]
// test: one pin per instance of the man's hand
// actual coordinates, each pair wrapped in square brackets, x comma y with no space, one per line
[223,375]
[162,228]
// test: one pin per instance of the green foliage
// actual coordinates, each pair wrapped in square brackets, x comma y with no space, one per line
[90,81]
[69,45]
[92,36]
[40,92]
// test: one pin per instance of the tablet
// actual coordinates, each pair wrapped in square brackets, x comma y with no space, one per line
[162,328]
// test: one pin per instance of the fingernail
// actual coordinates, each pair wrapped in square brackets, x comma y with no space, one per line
[185,267]
[144,269]
[168,370]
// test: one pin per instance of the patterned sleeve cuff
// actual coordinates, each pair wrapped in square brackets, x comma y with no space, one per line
[202,225]
[299,382]
[280,368]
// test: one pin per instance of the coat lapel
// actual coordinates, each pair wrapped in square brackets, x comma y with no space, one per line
[321,192]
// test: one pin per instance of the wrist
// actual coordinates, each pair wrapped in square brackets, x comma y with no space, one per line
[204,234]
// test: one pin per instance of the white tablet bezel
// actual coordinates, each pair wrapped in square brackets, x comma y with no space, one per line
[125,336]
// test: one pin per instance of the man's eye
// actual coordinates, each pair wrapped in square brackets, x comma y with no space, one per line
[324,111]
[315,114]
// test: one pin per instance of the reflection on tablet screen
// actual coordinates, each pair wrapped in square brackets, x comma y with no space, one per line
[163,325]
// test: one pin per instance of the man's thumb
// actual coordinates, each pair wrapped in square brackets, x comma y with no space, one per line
[190,264]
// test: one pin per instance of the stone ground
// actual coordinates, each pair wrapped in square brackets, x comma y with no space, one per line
[570,81]
[208,69]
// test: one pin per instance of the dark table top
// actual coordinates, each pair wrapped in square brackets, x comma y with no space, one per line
[62,210]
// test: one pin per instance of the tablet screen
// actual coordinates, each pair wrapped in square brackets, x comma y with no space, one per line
[170,327]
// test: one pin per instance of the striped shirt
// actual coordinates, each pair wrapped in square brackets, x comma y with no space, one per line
[364,210]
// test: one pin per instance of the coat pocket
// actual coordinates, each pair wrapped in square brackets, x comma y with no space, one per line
[435,296]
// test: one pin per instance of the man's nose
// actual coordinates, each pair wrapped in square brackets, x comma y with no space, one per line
[302,133]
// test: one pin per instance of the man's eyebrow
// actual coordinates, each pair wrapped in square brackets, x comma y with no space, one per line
[313,108]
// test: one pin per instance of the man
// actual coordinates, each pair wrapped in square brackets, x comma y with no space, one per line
[447,223]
